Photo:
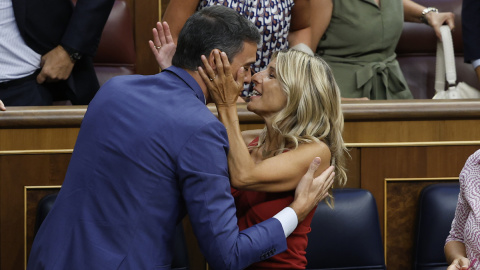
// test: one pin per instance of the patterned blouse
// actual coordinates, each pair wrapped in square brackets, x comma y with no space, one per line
[466,224]
[272,17]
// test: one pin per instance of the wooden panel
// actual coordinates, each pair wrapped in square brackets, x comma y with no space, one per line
[412,131]
[32,196]
[353,168]
[164,6]
[387,139]
[38,139]
[146,17]
[16,172]
[402,198]
[195,256]
[380,163]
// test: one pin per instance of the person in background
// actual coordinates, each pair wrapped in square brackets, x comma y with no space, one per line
[136,172]
[462,247]
[46,50]
[282,24]
[358,41]
[471,33]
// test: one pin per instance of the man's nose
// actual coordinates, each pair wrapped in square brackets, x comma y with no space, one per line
[248,77]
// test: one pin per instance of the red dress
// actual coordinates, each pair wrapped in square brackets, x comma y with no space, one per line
[254,207]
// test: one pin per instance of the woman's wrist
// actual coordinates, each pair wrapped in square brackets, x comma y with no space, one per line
[227,113]
[426,14]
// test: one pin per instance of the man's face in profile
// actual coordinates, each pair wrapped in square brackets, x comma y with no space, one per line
[245,58]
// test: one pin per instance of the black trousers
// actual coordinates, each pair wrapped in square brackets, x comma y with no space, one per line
[27,92]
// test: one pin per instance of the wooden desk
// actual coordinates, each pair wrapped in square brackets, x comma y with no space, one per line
[396,147]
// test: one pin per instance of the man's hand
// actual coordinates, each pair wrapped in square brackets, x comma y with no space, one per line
[310,191]
[2,107]
[56,65]
[162,46]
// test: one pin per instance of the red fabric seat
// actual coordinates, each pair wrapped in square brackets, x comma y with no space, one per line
[116,51]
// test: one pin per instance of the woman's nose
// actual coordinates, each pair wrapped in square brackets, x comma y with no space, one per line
[256,78]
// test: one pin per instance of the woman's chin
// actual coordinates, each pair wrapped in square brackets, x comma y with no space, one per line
[251,106]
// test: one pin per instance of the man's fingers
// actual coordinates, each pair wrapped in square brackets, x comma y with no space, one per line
[325,185]
[331,177]
[326,178]
[314,166]
[41,77]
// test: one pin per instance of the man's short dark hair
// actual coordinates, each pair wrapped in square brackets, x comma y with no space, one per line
[215,27]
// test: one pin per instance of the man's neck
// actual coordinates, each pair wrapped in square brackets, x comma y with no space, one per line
[200,82]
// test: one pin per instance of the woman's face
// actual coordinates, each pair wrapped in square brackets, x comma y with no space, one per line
[268,97]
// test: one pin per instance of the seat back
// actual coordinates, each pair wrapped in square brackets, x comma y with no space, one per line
[347,237]
[43,207]
[416,52]
[116,51]
[436,211]
[180,254]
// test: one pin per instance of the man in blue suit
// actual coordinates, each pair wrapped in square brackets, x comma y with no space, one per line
[148,152]
[471,33]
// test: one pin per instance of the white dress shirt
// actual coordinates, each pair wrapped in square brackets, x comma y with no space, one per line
[17,60]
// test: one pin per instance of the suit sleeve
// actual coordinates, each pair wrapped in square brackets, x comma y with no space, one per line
[203,173]
[471,29]
[86,25]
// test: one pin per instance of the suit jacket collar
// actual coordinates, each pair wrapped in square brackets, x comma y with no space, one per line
[189,80]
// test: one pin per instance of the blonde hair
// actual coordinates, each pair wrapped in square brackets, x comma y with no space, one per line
[313,112]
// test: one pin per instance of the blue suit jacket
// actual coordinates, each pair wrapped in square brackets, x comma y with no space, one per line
[471,29]
[148,152]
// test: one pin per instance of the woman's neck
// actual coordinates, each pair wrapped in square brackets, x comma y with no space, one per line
[271,143]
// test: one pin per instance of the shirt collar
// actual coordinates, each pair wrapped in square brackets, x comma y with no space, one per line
[189,80]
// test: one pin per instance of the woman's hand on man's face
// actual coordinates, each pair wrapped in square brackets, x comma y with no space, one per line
[222,86]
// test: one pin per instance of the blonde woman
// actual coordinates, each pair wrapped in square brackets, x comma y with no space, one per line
[299,100]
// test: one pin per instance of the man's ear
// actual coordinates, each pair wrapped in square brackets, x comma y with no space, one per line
[211,60]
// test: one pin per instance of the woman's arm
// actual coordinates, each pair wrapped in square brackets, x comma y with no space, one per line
[455,248]
[300,30]
[323,13]
[177,13]
[456,255]
[275,174]
[413,13]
